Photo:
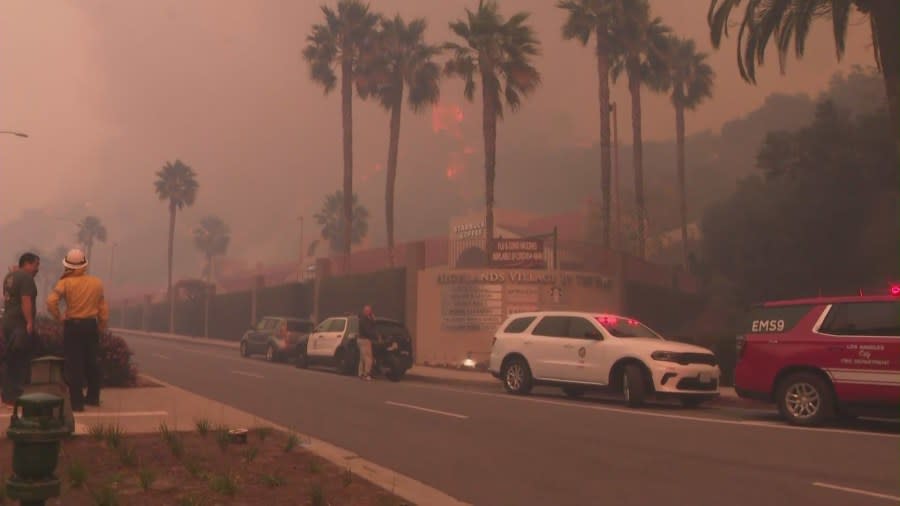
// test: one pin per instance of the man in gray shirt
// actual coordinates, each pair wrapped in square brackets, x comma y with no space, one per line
[19,312]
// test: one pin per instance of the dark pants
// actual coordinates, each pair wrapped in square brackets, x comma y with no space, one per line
[18,363]
[81,345]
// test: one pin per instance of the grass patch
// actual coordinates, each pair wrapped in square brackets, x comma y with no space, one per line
[250,454]
[347,479]
[113,436]
[106,496]
[203,426]
[315,467]
[291,443]
[273,480]
[77,475]
[97,432]
[223,439]
[263,432]
[127,455]
[146,477]
[224,484]
[193,468]
[317,495]
[190,500]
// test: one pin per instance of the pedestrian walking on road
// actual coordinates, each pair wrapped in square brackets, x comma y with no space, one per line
[367,334]
[87,316]
[19,312]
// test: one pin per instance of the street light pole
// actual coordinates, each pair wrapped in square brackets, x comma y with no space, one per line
[302,253]
[616,209]
[13,132]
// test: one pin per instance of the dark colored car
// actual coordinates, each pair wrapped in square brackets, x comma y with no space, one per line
[333,343]
[277,337]
[817,358]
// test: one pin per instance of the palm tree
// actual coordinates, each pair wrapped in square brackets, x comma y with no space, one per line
[339,43]
[176,183]
[499,53]
[639,51]
[331,219]
[690,79]
[401,61]
[586,18]
[212,238]
[788,23]
[90,229]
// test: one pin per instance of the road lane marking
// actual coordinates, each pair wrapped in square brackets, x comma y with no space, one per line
[160,355]
[427,410]
[629,411]
[248,374]
[120,414]
[857,491]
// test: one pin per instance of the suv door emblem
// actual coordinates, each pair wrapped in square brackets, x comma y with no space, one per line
[582,352]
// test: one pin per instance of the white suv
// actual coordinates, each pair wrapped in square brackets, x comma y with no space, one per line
[580,351]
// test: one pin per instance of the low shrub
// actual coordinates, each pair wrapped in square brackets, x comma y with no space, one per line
[115,357]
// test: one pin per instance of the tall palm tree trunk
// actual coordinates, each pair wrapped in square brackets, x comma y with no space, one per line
[886,18]
[393,148]
[207,293]
[682,185]
[605,134]
[90,248]
[489,129]
[172,211]
[634,87]
[347,124]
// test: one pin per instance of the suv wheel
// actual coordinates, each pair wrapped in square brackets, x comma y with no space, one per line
[517,377]
[244,351]
[634,386]
[302,360]
[805,399]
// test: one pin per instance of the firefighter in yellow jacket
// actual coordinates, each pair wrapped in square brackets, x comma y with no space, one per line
[87,316]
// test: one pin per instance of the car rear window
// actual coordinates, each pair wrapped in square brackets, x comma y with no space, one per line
[392,329]
[519,325]
[863,319]
[294,326]
[774,319]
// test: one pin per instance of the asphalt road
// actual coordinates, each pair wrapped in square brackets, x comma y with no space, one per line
[492,449]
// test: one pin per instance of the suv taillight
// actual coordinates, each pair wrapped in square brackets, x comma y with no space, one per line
[740,343]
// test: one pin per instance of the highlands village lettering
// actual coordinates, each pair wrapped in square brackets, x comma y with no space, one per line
[585,280]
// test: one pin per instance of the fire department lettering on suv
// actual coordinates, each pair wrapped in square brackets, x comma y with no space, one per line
[768,325]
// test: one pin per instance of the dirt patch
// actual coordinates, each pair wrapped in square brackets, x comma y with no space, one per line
[188,469]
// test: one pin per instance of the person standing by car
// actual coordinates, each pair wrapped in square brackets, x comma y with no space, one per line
[19,311]
[87,316]
[367,334]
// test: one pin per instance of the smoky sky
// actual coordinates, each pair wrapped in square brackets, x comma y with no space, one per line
[111,90]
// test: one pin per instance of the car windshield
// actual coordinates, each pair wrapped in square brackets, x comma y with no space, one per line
[297,326]
[626,327]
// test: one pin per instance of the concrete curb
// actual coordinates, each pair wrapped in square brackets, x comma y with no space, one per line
[479,379]
[409,489]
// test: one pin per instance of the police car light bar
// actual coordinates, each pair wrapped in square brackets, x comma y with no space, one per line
[895,290]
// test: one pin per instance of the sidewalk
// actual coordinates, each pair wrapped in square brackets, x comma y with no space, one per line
[441,375]
[142,410]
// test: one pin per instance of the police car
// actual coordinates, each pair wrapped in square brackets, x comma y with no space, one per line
[821,357]
[580,351]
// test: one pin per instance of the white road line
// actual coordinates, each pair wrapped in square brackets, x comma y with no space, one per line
[160,355]
[427,410]
[857,491]
[249,374]
[638,412]
[120,414]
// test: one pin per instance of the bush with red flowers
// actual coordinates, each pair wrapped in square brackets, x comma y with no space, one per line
[115,357]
